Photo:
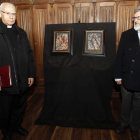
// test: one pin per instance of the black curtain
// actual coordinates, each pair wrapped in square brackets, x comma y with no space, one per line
[78,88]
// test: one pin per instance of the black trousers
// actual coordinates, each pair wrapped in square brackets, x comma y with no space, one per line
[130,109]
[12,109]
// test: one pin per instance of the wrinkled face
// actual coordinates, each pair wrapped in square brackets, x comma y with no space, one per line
[8,14]
[137,21]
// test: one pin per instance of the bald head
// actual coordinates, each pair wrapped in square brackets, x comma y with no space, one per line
[1,6]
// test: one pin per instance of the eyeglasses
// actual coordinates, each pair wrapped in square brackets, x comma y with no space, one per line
[138,18]
[8,13]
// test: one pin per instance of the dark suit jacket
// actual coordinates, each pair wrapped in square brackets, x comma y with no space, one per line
[127,65]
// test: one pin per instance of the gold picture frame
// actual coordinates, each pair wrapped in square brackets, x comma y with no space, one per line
[94,42]
[62,41]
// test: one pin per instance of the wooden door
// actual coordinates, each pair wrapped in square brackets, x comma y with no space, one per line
[124,19]
[86,13]
[62,13]
[24,20]
[40,14]
[106,12]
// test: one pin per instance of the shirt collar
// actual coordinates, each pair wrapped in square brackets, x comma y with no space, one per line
[9,26]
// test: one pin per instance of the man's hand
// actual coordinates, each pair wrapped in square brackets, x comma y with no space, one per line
[119,82]
[0,88]
[30,81]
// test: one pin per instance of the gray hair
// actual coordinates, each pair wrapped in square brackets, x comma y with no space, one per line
[137,9]
[6,3]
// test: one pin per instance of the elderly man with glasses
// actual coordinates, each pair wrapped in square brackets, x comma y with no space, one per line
[127,74]
[15,50]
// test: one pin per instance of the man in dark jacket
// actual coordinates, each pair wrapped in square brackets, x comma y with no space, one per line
[15,50]
[127,74]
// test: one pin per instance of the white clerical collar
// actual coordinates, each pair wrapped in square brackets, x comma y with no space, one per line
[9,26]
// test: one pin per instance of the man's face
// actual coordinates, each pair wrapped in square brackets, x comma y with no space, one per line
[8,19]
[136,21]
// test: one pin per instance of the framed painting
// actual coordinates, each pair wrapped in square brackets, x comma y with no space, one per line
[62,41]
[94,42]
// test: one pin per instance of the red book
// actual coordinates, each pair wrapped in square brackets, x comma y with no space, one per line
[5,76]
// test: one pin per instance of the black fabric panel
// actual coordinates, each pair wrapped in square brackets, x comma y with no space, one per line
[78,88]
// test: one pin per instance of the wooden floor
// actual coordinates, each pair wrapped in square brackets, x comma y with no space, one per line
[47,132]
